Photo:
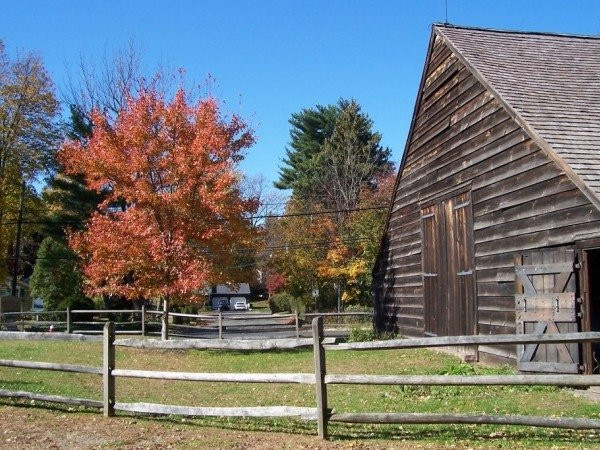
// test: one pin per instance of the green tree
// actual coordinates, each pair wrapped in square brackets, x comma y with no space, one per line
[350,159]
[56,277]
[309,129]
[333,153]
[68,202]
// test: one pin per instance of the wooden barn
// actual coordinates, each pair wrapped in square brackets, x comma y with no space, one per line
[494,226]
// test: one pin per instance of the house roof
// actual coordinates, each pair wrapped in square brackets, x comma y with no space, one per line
[241,288]
[550,84]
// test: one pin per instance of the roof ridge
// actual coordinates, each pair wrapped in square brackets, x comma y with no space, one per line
[524,32]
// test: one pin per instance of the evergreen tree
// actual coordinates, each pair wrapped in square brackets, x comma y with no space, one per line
[350,159]
[310,128]
[56,278]
[332,141]
[69,203]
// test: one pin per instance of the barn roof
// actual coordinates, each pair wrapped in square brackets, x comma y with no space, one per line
[550,84]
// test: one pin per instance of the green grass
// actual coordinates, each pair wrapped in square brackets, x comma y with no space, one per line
[343,398]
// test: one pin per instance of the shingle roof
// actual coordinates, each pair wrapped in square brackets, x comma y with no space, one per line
[551,82]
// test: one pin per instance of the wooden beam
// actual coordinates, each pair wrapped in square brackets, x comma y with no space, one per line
[35,336]
[143,320]
[474,380]
[425,418]
[50,366]
[529,351]
[106,311]
[164,330]
[300,378]
[69,320]
[320,372]
[51,398]
[241,411]
[220,325]
[220,344]
[446,341]
[340,314]
[108,364]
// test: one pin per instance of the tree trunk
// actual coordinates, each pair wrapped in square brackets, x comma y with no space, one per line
[17,253]
[164,332]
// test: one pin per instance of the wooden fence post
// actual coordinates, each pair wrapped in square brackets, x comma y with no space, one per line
[297,324]
[108,364]
[320,370]
[69,323]
[220,325]
[164,332]
[143,320]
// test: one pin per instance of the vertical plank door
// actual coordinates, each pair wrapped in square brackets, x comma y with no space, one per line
[547,304]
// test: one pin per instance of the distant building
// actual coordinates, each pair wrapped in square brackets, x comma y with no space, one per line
[8,303]
[231,293]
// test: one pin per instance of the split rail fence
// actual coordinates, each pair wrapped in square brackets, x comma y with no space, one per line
[319,378]
[148,321]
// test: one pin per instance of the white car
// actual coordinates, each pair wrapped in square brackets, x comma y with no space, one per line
[240,304]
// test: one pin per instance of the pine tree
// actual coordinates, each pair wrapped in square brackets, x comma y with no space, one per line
[332,141]
[56,278]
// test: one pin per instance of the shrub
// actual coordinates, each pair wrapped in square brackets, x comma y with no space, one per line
[361,335]
[281,302]
[368,334]
[284,302]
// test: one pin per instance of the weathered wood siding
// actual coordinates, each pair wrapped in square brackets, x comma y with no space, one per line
[462,138]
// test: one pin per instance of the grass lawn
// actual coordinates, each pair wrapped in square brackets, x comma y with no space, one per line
[510,400]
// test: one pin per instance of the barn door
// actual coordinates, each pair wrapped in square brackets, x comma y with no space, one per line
[461,270]
[448,268]
[434,253]
[547,304]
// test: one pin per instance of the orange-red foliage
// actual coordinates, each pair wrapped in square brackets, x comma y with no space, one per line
[171,165]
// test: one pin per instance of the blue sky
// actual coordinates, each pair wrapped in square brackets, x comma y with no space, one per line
[271,58]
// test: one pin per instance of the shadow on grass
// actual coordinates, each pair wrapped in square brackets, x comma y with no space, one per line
[446,434]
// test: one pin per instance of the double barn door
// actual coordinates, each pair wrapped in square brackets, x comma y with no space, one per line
[448,267]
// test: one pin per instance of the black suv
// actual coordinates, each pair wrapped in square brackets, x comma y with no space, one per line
[223,305]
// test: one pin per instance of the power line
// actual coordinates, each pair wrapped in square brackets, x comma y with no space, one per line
[262,216]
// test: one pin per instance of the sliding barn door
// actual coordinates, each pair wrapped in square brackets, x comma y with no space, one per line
[448,267]
[546,303]
[461,270]
[434,251]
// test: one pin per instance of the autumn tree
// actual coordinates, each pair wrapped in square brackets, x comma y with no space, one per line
[337,169]
[29,136]
[170,165]
[351,255]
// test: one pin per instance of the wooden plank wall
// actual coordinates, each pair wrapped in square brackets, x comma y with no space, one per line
[462,136]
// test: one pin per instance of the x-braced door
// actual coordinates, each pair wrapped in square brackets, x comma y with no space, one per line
[547,304]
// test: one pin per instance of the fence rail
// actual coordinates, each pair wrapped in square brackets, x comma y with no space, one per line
[320,378]
[83,321]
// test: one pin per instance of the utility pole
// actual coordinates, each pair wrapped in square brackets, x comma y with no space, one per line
[17,252]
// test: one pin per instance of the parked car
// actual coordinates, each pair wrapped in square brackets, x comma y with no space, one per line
[223,305]
[240,303]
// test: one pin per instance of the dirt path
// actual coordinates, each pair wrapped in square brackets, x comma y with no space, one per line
[33,428]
